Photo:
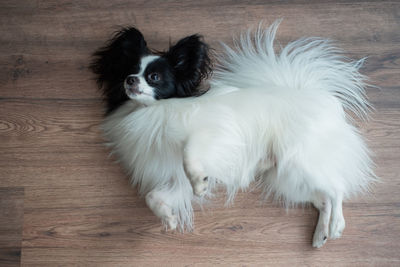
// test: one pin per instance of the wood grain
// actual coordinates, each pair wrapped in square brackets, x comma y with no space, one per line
[64,201]
[11,219]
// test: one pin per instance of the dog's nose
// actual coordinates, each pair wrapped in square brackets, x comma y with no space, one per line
[131,80]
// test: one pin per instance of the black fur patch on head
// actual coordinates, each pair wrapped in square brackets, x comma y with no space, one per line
[114,62]
[189,59]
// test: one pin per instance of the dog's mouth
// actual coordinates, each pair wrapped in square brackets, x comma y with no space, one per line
[133,91]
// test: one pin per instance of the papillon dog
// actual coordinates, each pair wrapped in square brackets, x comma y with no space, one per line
[283,120]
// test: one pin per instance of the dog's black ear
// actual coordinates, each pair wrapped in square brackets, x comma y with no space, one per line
[114,62]
[190,61]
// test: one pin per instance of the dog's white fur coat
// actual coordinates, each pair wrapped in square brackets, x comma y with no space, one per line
[278,119]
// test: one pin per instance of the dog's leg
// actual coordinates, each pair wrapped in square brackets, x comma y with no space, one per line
[323,204]
[197,176]
[161,209]
[337,224]
[194,168]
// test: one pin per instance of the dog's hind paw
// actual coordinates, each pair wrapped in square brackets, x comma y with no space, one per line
[320,237]
[336,228]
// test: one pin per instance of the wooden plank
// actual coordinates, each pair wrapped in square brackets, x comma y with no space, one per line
[11,221]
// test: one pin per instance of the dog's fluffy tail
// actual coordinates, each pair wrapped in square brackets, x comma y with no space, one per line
[305,64]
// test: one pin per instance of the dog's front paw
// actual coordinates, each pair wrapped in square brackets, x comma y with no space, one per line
[197,177]
[200,185]
[171,222]
[162,210]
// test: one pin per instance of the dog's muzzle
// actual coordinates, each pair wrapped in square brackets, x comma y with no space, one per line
[131,85]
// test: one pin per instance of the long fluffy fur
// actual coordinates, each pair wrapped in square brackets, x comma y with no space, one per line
[276,118]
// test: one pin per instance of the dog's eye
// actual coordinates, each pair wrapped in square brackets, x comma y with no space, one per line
[154,76]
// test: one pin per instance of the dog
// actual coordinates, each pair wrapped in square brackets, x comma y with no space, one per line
[283,120]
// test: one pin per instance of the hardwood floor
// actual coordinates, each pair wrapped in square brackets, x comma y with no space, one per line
[64,202]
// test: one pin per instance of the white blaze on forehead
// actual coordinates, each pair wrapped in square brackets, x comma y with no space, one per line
[146,95]
[146,60]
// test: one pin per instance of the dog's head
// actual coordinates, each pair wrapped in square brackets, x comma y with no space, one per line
[127,69]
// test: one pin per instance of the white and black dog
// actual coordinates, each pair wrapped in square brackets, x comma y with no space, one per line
[275,118]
